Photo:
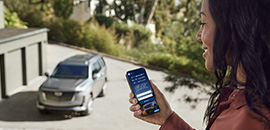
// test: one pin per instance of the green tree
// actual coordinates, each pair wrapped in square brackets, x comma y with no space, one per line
[29,12]
[123,9]
[140,11]
[99,7]
[182,30]
[63,8]
[164,14]
[12,20]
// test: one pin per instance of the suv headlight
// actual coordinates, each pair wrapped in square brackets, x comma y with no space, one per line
[77,94]
[81,93]
[73,98]
[43,95]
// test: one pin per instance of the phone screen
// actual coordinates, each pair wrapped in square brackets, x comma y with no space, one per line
[141,87]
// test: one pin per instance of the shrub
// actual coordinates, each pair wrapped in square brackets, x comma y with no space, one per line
[141,34]
[18,6]
[33,18]
[33,15]
[101,39]
[133,35]
[67,31]
[161,60]
[63,8]
[104,20]
[90,36]
[181,65]
[121,29]
[136,55]
[193,69]
[12,20]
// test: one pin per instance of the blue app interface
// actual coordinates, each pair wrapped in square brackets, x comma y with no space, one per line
[143,91]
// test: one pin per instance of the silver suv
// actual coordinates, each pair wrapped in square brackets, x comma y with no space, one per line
[73,85]
[150,106]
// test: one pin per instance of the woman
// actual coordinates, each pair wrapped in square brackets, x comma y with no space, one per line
[234,33]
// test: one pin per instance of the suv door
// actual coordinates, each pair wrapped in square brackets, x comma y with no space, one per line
[103,70]
[97,78]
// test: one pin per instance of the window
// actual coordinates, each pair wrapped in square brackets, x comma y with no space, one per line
[70,71]
[101,62]
[95,68]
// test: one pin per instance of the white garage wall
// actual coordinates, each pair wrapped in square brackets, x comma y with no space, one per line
[19,49]
[13,65]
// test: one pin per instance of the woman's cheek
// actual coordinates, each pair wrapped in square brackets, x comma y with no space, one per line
[209,63]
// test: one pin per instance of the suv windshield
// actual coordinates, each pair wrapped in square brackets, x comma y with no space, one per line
[70,71]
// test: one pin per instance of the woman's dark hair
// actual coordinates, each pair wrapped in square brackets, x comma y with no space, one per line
[244,27]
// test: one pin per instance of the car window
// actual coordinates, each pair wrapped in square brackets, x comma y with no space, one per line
[101,62]
[95,68]
[70,71]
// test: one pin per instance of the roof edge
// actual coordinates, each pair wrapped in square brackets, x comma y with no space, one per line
[27,34]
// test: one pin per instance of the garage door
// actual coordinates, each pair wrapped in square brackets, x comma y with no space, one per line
[32,62]
[13,70]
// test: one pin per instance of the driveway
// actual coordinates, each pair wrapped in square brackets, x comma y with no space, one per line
[110,112]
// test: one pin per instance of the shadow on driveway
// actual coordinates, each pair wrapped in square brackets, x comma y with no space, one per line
[22,107]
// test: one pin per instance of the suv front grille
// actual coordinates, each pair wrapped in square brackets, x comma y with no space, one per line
[66,96]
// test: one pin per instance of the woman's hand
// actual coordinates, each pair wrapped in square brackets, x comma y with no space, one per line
[158,118]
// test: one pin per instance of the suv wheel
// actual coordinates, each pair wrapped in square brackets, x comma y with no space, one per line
[103,91]
[89,108]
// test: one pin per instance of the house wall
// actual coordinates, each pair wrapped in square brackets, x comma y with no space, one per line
[81,12]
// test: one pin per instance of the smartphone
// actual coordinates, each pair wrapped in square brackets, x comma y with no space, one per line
[142,89]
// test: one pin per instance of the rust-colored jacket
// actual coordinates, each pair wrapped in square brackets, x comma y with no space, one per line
[232,113]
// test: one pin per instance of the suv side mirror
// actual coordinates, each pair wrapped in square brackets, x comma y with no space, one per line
[46,74]
[96,76]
